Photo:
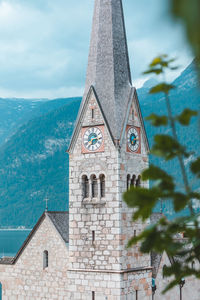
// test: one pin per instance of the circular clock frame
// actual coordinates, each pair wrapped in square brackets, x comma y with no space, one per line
[93,139]
[133,139]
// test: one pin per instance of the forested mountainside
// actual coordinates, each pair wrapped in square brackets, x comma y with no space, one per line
[34,162]
[15,112]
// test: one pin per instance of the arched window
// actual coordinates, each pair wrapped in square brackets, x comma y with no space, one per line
[85,187]
[193,264]
[128,179]
[133,114]
[133,180]
[102,185]
[94,186]
[164,267]
[138,181]
[45,259]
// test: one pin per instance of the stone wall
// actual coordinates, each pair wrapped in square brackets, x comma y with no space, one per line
[109,218]
[110,285]
[190,290]
[27,280]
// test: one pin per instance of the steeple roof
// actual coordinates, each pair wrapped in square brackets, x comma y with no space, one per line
[108,64]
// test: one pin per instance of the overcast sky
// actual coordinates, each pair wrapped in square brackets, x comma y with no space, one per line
[44,44]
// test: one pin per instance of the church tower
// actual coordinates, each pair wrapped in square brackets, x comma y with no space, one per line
[108,152]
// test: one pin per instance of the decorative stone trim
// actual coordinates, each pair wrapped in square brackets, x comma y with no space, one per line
[131,270]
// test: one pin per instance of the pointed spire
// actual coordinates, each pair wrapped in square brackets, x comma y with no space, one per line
[108,64]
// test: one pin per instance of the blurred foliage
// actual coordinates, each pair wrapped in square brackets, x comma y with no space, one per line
[168,236]
[189,12]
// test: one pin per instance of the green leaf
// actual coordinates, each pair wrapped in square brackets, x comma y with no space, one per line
[180,201]
[143,200]
[162,88]
[185,117]
[167,147]
[156,71]
[157,120]
[195,167]
[163,181]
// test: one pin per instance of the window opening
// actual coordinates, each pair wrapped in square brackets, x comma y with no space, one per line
[138,181]
[133,114]
[45,259]
[135,233]
[128,179]
[133,180]
[102,185]
[193,264]
[93,236]
[85,187]
[164,267]
[93,295]
[94,186]
[92,113]
[136,295]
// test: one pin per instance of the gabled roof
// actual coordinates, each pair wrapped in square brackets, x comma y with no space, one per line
[80,117]
[108,64]
[60,220]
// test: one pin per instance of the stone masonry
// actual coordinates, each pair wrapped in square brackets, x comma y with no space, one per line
[27,280]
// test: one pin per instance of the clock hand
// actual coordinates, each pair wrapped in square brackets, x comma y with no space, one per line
[95,138]
[135,139]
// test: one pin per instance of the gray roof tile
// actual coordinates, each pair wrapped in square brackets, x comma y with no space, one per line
[108,64]
[61,222]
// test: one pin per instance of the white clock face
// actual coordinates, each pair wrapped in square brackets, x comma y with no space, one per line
[133,139]
[92,139]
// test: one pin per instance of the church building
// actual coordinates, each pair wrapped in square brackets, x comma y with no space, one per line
[82,255]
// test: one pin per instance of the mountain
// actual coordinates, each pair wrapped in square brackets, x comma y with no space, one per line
[34,164]
[15,112]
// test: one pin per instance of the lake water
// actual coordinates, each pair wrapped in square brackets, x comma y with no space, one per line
[10,242]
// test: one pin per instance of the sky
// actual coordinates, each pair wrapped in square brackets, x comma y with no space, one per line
[44,44]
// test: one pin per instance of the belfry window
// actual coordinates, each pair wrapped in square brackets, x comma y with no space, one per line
[45,259]
[138,181]
[133,180]
[85,186]
[128,181]
[102,185]
[94,186]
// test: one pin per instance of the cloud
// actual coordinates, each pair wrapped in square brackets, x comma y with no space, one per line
[44,44]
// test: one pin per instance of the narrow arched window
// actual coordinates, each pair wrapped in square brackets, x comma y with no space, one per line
[102,185]
[138,181]
[133,114]
[85,186]
[163,270]
[133,180]
[128,180]
[92,113]
[94,186]
[45,259]
[193,265]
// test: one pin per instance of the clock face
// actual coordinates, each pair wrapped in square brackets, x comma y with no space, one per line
[133,139]
[92,139]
